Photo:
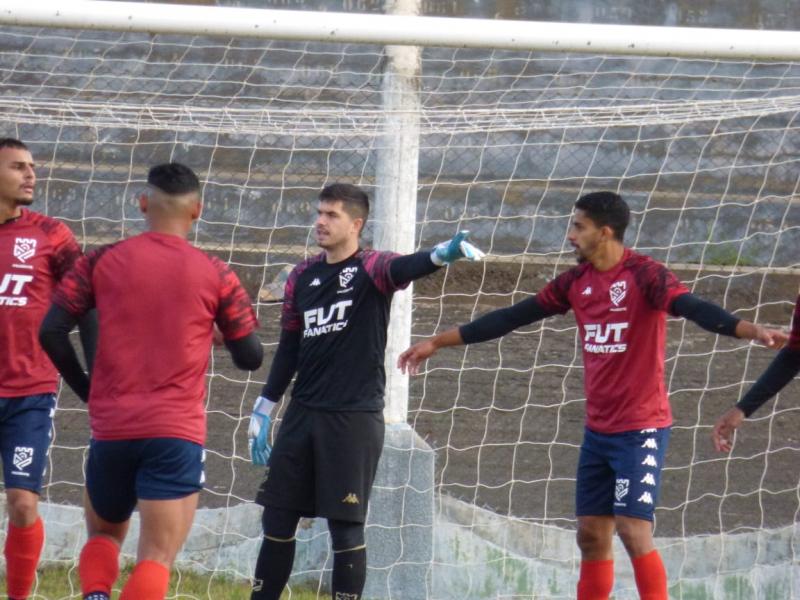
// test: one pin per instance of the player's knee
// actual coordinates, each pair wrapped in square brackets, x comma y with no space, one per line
[636,537]
[279,523]
[22,507]
[346,535]
[591,540]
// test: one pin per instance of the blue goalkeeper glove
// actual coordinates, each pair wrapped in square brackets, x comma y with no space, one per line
[258,431]
[454,249]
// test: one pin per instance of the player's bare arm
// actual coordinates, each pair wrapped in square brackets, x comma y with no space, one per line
[410,360]
[492,325]
[771,338]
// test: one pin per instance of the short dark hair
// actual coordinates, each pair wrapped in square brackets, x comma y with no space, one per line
[12,143]
[173,179]
[606,209]
[355,201]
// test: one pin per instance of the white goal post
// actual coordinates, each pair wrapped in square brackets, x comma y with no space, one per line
[488,125]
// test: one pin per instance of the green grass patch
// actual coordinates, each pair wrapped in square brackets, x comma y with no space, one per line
[61,583]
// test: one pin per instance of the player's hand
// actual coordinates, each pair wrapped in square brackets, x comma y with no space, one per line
[258,431]
[409,361]
[724,428]
[771,338]
[454,249]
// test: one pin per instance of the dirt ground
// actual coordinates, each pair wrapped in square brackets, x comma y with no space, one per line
[506,418]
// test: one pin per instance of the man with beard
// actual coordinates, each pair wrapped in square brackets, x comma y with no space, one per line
[36,252]
[620,299]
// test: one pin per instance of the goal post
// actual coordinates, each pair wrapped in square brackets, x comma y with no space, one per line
[487,125]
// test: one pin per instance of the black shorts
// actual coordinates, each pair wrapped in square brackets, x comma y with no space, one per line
[323,463]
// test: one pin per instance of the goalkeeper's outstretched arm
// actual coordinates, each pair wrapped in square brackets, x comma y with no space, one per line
[488,327]
[410,267]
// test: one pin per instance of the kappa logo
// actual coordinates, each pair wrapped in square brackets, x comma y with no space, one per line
[650,461]
[617,291]
[587,291]
[257,585]
[650,443]
[315,282]
[621,489]
[648,479]
[351,498]
[23,457]
[646,498]
[346,276]
[24,248]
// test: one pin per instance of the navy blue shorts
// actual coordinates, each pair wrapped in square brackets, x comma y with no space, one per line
[121,472]
[26,430]
[620,473]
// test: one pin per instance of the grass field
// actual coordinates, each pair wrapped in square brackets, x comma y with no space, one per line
[61,583]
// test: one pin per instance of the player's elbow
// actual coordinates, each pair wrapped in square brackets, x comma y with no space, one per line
[247,352]
[55,328]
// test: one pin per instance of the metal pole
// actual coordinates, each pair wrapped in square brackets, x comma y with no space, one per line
[404,29]
[396,202]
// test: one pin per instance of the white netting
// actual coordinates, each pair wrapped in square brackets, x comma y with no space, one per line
[706,152]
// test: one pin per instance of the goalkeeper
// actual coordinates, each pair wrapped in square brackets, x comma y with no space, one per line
[620,300]
[334,321]
[158,299]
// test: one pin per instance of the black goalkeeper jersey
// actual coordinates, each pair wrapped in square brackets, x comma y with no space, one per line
[341,313]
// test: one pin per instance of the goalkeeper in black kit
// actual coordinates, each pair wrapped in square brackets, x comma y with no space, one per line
[333,336]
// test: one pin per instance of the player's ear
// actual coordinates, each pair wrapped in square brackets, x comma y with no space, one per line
[197,208]
[358,222]
[143,200]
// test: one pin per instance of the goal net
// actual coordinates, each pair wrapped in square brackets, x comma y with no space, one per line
[704,150]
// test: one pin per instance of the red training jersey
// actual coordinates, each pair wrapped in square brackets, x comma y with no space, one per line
[35,253]
[794,336]
[621,315]
[157,299]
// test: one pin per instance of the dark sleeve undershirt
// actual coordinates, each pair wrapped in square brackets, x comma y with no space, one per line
[87,329]
[246,352]
[405,269]
[284,364]
[707,315]
[54,338]
[502,321]
[781,371]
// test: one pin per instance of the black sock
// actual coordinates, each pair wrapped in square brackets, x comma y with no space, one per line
[273,567]
[349,574]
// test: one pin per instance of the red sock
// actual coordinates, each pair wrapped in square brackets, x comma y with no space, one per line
[597,579]
[148,581]
[23,547]
[98,567]
[651,578]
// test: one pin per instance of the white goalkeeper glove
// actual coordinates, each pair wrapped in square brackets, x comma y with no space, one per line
[258,431]
[454,249]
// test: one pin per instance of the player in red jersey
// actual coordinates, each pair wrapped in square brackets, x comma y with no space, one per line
[158,299]
[620,300]
[35,253]
[780,372]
